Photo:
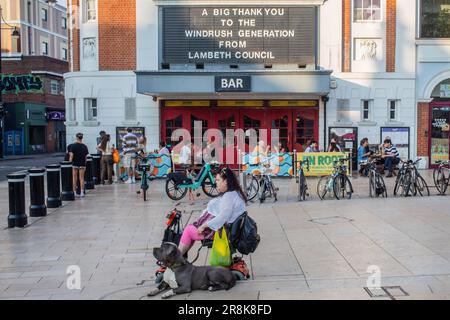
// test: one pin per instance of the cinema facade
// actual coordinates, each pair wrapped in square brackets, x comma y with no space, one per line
[312,69]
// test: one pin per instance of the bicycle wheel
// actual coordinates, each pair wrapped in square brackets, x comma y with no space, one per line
[439,180]
[421,186]
[322,186]
[263,190]
[210,188]
[252,188]
[301,187]
[342,187]
[398,183]
[408,185]
[273,191]
[380,186]
[173,191]
[372,186]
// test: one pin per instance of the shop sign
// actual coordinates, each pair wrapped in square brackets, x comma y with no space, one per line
[239,34]
[56,115]
[441,123]
[233,84]
[321,163]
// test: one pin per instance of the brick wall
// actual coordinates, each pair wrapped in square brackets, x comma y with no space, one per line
[391,30]
[37,63]
[346,35]
[76,36]
[423,119]
[117,34]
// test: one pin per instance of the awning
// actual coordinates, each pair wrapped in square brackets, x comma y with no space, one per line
[282,84]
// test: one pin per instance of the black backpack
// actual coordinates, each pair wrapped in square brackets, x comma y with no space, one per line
[244,235]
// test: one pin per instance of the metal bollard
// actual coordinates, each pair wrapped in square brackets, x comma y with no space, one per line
[67,181]
[37,192]
[96,168]
[16,189]
[88,176]
[53,186]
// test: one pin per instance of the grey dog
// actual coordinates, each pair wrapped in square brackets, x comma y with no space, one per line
[189,277]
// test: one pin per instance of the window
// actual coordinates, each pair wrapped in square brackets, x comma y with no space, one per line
[90,13]
[435,18]
[44,14]
[71,110]
[63,23]
[64,53]
[393,109]
[343,110]
[130,109]
[44,48]
[90,109]
[366,110]
[366,10]
[55,87]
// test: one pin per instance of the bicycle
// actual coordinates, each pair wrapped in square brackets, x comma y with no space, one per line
[144,168]
[266,186]
[410,180]
[338,182]
[178,183]
[377,187]
[301,180]
[440,180]
[252,188]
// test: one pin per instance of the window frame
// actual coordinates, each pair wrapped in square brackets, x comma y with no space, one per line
[64,23]
[44,44]
[354,20]
[90,109]
[64,54]
[369,109]
[44,14]
[420,13]
[87,10]
[396,107]
[55,87]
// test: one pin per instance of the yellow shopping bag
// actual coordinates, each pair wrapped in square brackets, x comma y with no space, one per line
[220,253]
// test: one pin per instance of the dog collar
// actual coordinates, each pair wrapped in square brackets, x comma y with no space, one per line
[176,265]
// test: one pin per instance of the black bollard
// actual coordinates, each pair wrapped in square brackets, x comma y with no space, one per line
[37,192]
[96,168]
[67,181]
[88,176]
[16,189]
[53,186]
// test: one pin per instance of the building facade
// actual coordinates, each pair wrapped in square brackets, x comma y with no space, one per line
[313,69]
[32,83]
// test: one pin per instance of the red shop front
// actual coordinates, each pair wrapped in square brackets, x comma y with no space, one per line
[297,120]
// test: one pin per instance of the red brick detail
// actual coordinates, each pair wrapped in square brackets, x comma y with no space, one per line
[76,35]
[391,34]
[346,35]
[117,34]
[423,128]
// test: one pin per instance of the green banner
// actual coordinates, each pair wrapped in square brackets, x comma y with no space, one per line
[321,163]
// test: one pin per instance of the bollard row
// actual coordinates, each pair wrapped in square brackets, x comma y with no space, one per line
[59,188]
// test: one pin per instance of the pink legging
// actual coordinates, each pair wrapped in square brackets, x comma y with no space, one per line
[190,235]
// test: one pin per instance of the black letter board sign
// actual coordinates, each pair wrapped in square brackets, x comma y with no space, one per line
[233,83]
[239,35]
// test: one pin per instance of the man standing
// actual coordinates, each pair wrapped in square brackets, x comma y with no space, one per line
[390,155]
[130,142]
[77,155]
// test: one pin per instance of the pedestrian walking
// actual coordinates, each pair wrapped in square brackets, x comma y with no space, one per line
[106,159]
[78,156]
[131,143]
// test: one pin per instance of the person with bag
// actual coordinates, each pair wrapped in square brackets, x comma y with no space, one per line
[106,159]
[226,208]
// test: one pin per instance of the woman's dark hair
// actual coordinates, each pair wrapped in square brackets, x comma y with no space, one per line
[162,144]
[232,182]
[104,141]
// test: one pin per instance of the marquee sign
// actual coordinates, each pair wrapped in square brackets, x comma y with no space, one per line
[239,35]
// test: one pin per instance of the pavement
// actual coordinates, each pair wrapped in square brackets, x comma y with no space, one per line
[315,249]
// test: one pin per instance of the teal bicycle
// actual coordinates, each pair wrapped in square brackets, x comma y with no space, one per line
[178,183]
[145,167]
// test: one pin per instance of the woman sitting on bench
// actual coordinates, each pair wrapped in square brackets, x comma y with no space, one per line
[226,208]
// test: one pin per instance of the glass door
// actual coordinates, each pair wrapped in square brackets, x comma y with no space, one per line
[281,120]
[439,128]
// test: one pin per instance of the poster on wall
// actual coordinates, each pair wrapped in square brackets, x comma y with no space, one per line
[440,133]
[122,131]
[346,138]
[399,137]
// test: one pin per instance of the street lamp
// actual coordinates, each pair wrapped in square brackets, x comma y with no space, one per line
[15,35]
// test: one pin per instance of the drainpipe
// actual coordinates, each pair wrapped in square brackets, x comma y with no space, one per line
[325,100]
